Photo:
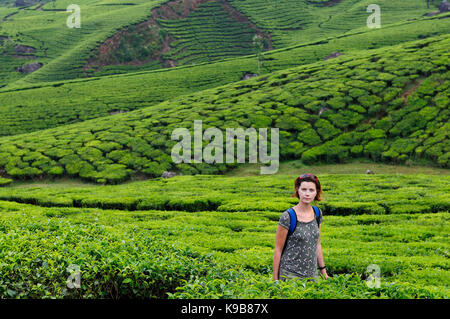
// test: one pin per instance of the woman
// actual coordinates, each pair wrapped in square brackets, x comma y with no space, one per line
[299,255]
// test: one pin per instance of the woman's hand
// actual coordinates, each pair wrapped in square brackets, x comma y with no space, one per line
[324,274]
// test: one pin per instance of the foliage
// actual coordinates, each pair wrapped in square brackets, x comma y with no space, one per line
[219,244]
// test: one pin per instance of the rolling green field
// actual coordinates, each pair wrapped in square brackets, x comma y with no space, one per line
[46,105]
[219,243]
[376,105]
[64,51]
[86,138]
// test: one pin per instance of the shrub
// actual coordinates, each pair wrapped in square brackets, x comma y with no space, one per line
[369,100]
[90,154]
[314,106]
[374,109]
[186,169]
[355,92]
[441,100]
[332,151]
[377,86]
[391,93]
[115,263]
[113,173]
[352,208]
[375,147]
[25,172]
[58,152]
[326,129]
[5,181]
[336,103]
[309,136]
[390,154]
[233,284]
[107,147]
[294,149]
[86,171]
[357,108]
[154,169]
[73,168]
[139,145]
[373,133]
[312,155]
[56,171]
[385,76]
[290,122]
[403,146]
[117,155]
[384,124]
[356,150]
[260,121]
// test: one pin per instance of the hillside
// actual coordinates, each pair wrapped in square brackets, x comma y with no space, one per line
[375,104]
[61,53]
[46,105]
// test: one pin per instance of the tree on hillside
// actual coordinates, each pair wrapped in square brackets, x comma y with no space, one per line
[259,48]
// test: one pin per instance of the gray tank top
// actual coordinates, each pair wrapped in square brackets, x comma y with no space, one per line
[300,251]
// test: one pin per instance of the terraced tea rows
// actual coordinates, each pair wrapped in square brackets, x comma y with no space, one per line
[355,194]
[225,253]
[208,34]
[371,112]
[331,96]
[64,51]
[292,21]
[43,106]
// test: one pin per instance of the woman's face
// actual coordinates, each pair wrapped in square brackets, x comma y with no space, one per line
[307,192]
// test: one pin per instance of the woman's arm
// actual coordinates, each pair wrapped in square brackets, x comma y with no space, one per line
[320,261]
[280,239]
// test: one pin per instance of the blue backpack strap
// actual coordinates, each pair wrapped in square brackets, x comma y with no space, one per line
[293,220]
[317,211]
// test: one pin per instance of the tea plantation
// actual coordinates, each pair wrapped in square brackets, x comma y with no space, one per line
[45,105]
[64,51]
[87,117]
[378,105]
[198,237]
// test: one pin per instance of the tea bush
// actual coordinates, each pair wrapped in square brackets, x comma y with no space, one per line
[115,149]
[345,194]
[5,181]
[111,263]
[201,254]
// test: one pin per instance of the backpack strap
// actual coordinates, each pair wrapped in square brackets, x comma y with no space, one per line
[293,222]
[293,216]
[317,211]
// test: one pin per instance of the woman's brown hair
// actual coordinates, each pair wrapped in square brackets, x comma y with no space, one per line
[308,178]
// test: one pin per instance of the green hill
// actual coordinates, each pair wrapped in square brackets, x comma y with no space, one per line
[46,105]
[63,52]
[294,21]
[387,104]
